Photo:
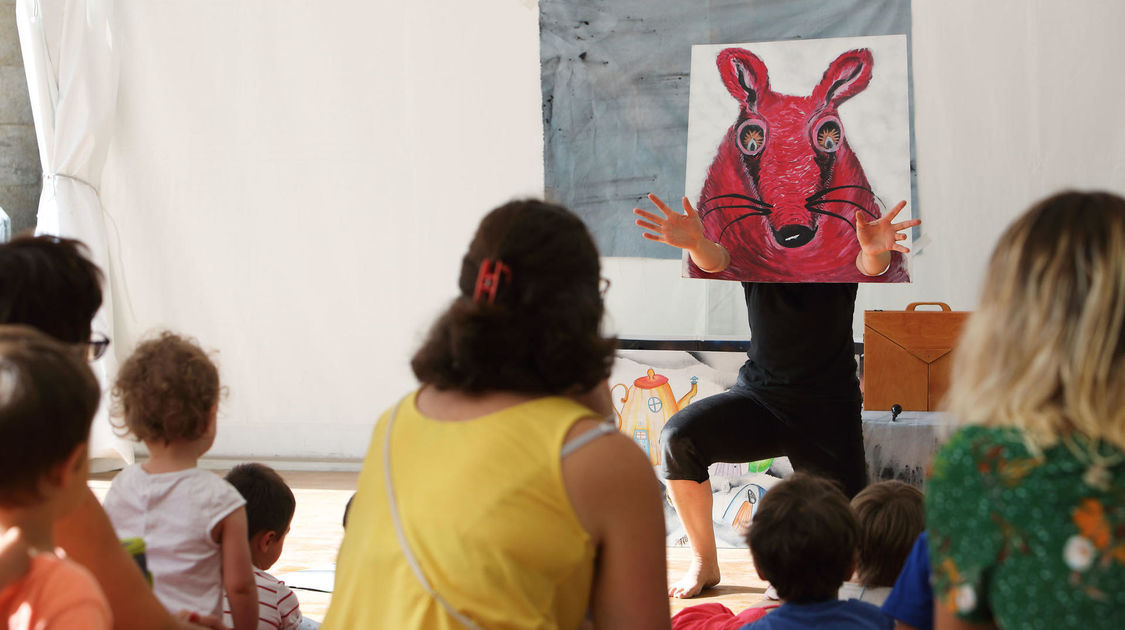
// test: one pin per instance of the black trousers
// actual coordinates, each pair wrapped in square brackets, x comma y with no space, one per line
[823,436]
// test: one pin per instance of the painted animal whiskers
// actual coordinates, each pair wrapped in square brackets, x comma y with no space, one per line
[759,207]
[813,203]
[783,189]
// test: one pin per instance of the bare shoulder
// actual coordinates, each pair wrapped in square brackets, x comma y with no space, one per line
[609,478]
[612,452]
[617,499]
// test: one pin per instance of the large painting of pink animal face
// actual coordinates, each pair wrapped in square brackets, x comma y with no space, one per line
[780,173]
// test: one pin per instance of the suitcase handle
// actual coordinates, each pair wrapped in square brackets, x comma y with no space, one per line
[910,307]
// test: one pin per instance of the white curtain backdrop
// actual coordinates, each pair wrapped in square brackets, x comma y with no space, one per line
[72,73]
[294,183]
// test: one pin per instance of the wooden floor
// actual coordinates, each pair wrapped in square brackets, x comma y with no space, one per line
[317,530]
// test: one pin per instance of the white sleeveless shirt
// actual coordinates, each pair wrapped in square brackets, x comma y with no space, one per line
[174,513]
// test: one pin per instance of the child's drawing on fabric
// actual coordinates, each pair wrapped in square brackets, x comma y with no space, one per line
[734,501]
[789,144]
[652,385]
[741,506]
[646,407]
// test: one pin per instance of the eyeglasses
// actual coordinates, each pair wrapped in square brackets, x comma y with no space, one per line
[96,346]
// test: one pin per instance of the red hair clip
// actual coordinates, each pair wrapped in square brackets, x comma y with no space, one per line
[488,279]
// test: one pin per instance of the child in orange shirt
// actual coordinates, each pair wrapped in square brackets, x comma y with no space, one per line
[48,397]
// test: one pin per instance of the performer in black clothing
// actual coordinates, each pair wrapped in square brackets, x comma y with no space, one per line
[797,394]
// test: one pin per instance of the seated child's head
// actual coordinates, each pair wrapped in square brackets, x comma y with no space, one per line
[890,519]
[348,509]
[269,510]
[168,391]
[803,538]
[48,397]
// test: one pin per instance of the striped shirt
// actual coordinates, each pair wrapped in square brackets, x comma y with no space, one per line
[278,608]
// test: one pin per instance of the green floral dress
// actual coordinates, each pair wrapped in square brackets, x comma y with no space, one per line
[1027,542]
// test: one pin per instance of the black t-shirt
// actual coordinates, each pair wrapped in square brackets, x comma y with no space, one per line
[801,340]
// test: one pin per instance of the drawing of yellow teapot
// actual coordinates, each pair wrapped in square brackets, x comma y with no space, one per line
[646,407]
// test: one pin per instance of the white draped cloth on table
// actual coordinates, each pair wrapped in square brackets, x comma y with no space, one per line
[72,77]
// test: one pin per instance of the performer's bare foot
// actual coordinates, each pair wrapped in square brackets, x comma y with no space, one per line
[702,574]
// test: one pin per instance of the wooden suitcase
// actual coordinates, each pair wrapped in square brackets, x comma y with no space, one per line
[908,356]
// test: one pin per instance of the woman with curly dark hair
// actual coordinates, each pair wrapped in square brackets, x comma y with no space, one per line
[495,496]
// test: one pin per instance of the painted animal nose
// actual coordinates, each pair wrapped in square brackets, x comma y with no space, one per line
[794,235]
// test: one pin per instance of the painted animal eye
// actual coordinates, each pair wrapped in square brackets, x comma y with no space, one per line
[828,135]
[751,136]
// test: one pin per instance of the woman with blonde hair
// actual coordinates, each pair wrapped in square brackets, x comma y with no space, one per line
[1026,505]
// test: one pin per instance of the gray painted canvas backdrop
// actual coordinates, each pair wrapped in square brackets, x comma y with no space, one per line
[615,78]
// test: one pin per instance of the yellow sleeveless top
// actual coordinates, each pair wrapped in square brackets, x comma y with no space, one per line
[486,514]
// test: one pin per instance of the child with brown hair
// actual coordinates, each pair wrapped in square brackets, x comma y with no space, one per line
[269,510]
[890,517]
[193,523]
[48,397]
[805,540]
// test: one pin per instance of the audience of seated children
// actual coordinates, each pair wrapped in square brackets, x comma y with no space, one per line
[48,397]
[269,511]
[48,283]
[911,602]
[805,538]
[890,516]
[193,523]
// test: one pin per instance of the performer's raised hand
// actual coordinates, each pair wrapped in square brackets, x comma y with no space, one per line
[684,231]
[878,238]
[675,229]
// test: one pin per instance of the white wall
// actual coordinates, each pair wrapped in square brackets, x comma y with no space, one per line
[294,183]
[1014,100]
